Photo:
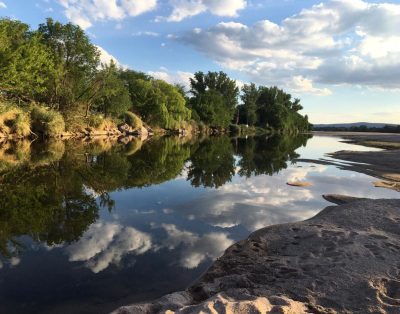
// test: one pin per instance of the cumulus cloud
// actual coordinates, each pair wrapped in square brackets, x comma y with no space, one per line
[178,77]
[197,248]
[2,5]
[85,12]
[106,57]
[107,243]
[336,42]
[182,9]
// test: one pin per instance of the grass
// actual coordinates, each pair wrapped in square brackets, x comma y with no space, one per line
[99,123]
[13,120]
[133,120]
[46,121]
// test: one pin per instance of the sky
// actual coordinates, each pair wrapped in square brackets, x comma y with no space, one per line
[340,57]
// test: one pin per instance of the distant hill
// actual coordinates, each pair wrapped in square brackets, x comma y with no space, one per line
[351,125]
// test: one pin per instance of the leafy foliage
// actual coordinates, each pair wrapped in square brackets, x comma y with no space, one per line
[215,97]
[271,107]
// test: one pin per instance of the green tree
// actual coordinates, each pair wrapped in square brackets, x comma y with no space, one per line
[211,110]
[26,66]
[78,61]
[113,97]
[208,90]
[159,103]
[249,98]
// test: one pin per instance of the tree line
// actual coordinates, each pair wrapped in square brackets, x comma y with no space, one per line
[57,68]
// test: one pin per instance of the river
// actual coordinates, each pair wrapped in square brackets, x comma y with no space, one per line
[88,226]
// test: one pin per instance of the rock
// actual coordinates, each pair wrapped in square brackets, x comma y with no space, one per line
[343,260]
[299,183]
[388,185]
[341,199]
[125,128]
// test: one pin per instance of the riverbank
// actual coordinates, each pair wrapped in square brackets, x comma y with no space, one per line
[343,260]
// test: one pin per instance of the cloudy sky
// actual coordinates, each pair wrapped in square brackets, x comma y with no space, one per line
[341,57]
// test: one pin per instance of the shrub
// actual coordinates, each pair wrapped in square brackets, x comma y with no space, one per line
[46,121]
[14,120]
[133,120]
[22,125]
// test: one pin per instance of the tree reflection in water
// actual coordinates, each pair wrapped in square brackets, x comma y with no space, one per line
[53,191]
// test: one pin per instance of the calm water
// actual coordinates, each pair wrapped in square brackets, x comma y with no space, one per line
[87,227]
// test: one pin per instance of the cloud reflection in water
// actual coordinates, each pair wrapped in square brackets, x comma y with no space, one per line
[106,243]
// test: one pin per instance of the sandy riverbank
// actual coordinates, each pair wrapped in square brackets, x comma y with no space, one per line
[346,259]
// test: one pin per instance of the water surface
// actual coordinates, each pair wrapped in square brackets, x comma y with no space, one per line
[88,226]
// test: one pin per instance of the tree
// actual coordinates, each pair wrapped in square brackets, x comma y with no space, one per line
[77,59]
[159,103]
[296,106]
[249,98]
[113,96]
[208,90]
[26,65]
[275,109]
[175,104]
[211,110]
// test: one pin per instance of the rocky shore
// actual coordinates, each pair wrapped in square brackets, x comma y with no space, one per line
[346,259]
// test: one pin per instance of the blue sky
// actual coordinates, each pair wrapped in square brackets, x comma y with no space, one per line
[341,57]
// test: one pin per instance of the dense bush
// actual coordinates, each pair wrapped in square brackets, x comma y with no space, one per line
[46,121]
[13,120]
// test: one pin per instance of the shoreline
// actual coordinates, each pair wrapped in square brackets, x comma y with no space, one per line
[343,260]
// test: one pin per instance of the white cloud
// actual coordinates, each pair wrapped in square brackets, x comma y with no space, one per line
[178,77]
[3,5]
[85,12]
[301,84]
[106,58]
[182,9]
[107,243]
[147,33]
[336,42]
